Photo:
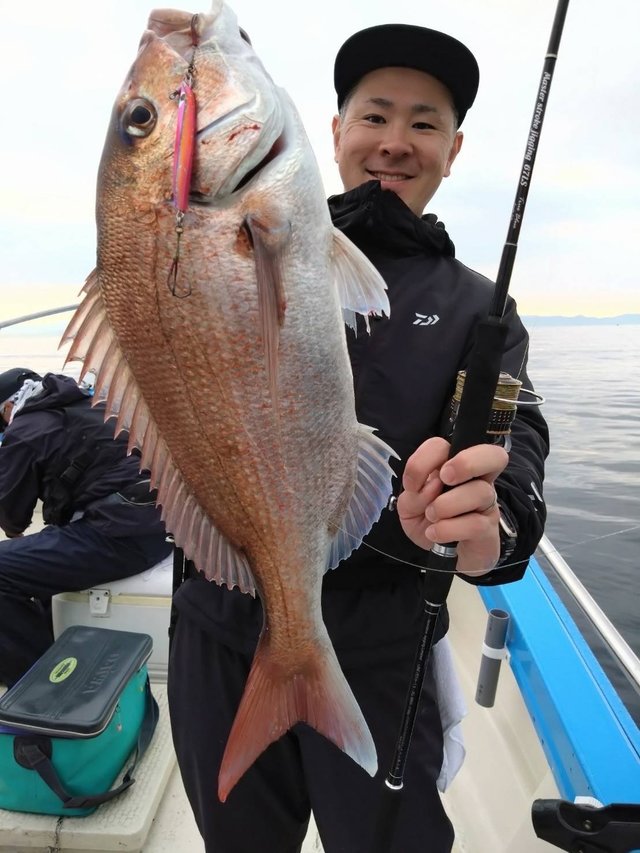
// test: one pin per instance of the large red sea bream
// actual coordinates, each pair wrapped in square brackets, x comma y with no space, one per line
[214,322]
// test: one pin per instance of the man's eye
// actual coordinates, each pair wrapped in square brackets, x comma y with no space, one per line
[423,125]
[374,119]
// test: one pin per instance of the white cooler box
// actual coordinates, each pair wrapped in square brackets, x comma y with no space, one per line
[138,603]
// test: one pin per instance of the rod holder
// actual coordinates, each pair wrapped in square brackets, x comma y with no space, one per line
[494,650]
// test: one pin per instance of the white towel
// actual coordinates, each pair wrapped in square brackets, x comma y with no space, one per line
[30,388]
[452,711]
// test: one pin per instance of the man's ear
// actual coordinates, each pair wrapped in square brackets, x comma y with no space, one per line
[453,153]
[335,130]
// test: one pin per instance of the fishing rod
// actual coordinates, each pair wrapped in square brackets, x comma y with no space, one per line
[475,410]
[26,317]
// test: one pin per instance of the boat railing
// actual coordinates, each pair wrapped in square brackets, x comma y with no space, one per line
[614,641]
[49,312]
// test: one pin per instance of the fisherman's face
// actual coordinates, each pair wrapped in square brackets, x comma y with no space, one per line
[5,414]
[398,127]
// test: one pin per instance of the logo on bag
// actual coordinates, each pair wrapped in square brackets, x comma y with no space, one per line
[62,670]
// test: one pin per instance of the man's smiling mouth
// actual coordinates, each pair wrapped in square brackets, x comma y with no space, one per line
[389,177]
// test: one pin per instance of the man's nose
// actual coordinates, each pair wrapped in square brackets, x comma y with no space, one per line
[396,142]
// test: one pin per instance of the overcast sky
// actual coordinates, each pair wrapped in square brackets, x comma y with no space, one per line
[63,63]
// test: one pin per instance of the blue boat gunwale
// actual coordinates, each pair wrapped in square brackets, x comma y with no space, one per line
[589,738]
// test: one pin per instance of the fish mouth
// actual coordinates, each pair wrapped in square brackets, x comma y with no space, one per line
[271,139]
[277,147]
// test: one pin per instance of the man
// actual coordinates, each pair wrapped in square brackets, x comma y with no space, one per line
[402,94]
[102,523]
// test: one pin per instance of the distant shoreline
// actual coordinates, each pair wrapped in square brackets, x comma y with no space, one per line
[581,320]
[40,328]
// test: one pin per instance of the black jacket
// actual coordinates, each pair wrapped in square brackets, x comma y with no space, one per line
[405,372]
[404,377]
[54,429]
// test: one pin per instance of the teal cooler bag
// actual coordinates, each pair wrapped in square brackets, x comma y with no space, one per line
[69,725]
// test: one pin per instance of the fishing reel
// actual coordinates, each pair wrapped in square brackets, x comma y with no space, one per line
[503,410]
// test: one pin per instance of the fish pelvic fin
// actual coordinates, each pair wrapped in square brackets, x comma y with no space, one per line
[361,288]
[269,243]
[317,694]
[371,494]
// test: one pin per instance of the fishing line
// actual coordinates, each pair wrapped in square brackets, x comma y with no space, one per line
[598,538]
[415,565]
[524,358]
[480,572]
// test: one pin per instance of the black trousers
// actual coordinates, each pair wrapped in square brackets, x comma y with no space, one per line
[35,567]
[268,810]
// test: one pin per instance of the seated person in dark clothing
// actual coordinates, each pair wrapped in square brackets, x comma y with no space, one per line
[101,520]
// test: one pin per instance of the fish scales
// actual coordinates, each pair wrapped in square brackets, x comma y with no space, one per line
[233,375]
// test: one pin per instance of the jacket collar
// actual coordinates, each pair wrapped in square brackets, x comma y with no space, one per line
[374,218]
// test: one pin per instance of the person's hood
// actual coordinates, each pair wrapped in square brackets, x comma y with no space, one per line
[11,381]
[374,218]
[57,391]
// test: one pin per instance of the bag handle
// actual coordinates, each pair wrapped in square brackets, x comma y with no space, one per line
[32,754]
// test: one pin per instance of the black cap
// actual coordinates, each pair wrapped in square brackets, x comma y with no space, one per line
[406,46]
[11,381]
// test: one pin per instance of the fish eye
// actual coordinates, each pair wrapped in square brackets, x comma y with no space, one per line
[139,118]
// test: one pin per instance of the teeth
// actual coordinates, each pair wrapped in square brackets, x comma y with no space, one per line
[383,176]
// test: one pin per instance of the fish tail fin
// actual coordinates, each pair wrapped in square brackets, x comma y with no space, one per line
[317,694]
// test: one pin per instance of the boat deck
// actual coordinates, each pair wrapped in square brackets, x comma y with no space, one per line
[489,801]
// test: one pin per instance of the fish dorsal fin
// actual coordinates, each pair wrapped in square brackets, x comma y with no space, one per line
[95,344]
[371,494]
[361,288]
[269,244]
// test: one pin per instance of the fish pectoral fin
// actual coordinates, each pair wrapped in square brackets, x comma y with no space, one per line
[371,494]
[270,241]
[274,700]
[361,288]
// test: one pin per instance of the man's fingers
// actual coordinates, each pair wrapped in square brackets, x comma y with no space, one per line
[482,460]
[489,507]
[424,462]
[411,504]
[477,496]
[473,527]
